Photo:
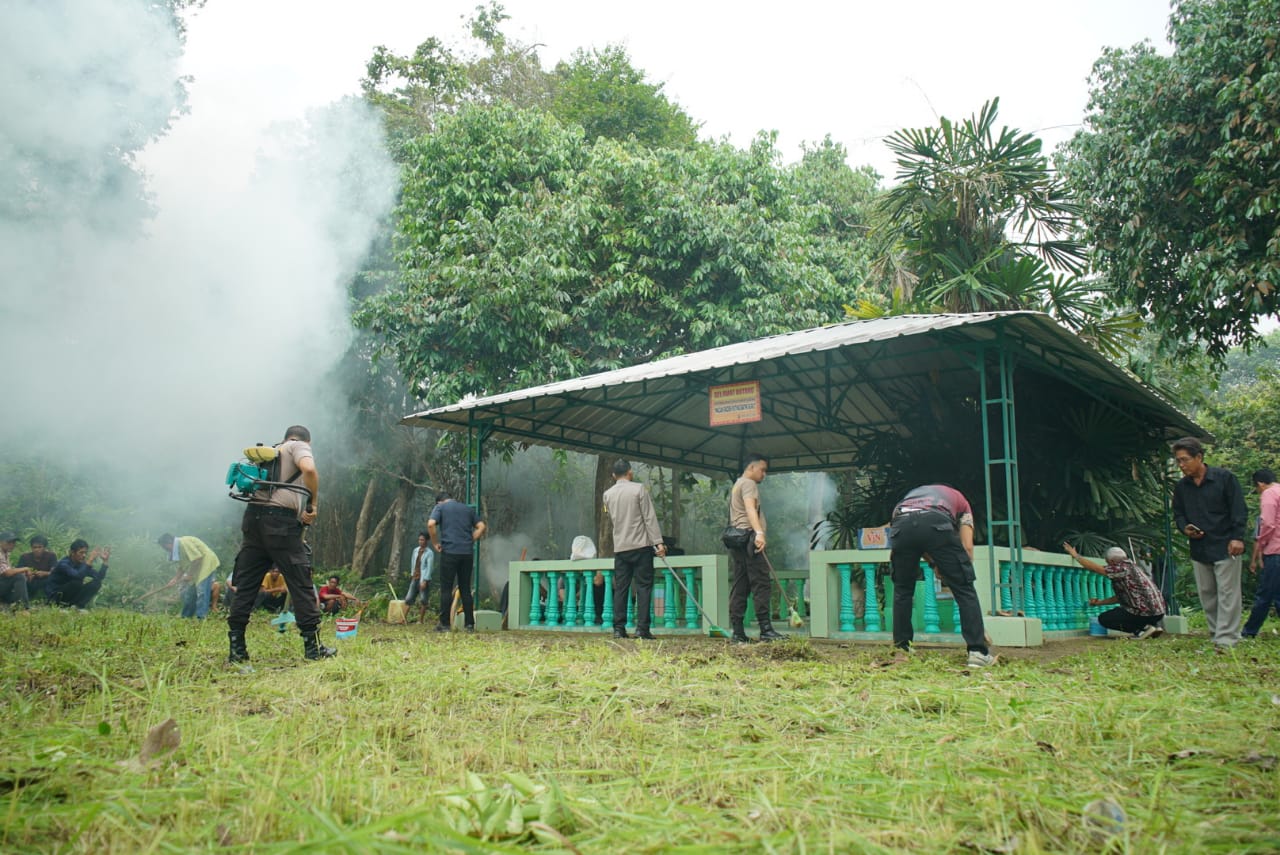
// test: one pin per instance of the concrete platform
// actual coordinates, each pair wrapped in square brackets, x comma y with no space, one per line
[487,620]
[1014,631]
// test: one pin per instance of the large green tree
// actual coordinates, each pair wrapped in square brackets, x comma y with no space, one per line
[531,255]
[1178,168]
[603,92]
[597,91]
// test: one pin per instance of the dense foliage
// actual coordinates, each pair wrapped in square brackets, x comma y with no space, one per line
[531,254]
[978,221]
[1178,169]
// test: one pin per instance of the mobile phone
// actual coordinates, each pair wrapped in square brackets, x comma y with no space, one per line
[1195,529]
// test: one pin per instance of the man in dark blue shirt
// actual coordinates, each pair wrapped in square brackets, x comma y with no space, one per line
[1208,506]
[454,528]
[73,581]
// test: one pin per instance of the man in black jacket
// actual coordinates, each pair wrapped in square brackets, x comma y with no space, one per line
[1208,506]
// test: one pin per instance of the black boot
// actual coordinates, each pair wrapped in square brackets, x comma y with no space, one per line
[313,649]
[239,653]
[740,636]
[767,632]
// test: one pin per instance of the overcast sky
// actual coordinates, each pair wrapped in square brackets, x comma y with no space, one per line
[856,71]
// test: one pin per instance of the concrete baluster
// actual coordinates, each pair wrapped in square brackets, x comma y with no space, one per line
[669,605]
[553,598]
[1031,583]
[535,598]
[845,574]
[871,614]
[691,616]
[606,613]
[931,622]
[1082,599]
[588,598]
[570,598]
[1006,594]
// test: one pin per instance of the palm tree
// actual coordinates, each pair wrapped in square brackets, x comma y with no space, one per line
[978,222]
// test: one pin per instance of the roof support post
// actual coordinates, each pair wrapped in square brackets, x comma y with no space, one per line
[1000,464]
[1170,566]
[476,437]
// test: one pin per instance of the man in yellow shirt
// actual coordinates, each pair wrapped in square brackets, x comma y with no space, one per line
[272,595]
[196,566]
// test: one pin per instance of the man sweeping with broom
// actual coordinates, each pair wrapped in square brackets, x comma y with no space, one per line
[636,540]
[750,568]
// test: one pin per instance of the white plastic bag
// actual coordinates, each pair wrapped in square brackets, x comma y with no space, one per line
[582,548]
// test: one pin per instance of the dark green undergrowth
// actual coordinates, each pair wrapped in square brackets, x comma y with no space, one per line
[412,741]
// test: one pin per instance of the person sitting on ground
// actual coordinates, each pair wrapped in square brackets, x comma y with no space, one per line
[220,593]
[74,582]
[272,594]
[38,563]
[1141,606]
[333,599]
[13,580]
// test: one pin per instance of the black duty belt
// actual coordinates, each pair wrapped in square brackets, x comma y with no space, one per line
[274,509]
[902,512]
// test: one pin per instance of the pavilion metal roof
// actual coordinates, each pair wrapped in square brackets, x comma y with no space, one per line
[825,391]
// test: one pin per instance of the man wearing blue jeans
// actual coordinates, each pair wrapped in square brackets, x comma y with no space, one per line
[196,565]
[1266,552]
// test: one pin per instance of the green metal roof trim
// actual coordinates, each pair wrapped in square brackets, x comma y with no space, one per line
[824,391]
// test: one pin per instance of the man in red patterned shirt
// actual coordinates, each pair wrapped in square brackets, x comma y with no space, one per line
[1140,604]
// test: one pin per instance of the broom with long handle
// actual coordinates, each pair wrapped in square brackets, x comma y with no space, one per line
[794,616]
[713,630]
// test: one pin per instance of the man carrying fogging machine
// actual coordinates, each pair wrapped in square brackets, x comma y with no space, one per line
[273,528]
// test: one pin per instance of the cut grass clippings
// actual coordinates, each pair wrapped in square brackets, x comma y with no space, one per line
[413,741]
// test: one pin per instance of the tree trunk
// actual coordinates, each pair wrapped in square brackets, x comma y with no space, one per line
[365,551]
[362,521]
[404,501]
[604,528]
[367,546]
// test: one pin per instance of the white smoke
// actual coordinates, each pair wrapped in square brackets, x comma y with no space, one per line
[164,342]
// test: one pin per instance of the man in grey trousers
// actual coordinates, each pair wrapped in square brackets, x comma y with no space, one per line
[1208,506]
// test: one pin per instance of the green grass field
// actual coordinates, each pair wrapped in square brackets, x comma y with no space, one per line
[411,741]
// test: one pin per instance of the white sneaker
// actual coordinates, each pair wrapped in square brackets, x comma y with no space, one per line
[978,659]
[1149,631]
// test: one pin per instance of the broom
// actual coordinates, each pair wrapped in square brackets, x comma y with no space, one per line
[794,616]
[713,630]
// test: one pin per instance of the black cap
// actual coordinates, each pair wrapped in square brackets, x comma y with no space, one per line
[6,536]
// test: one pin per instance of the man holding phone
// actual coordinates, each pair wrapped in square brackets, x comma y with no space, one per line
[1208,506]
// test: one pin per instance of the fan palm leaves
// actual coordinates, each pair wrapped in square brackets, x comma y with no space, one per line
[979,222]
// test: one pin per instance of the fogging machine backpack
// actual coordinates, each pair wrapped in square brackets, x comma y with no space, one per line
[259,473]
